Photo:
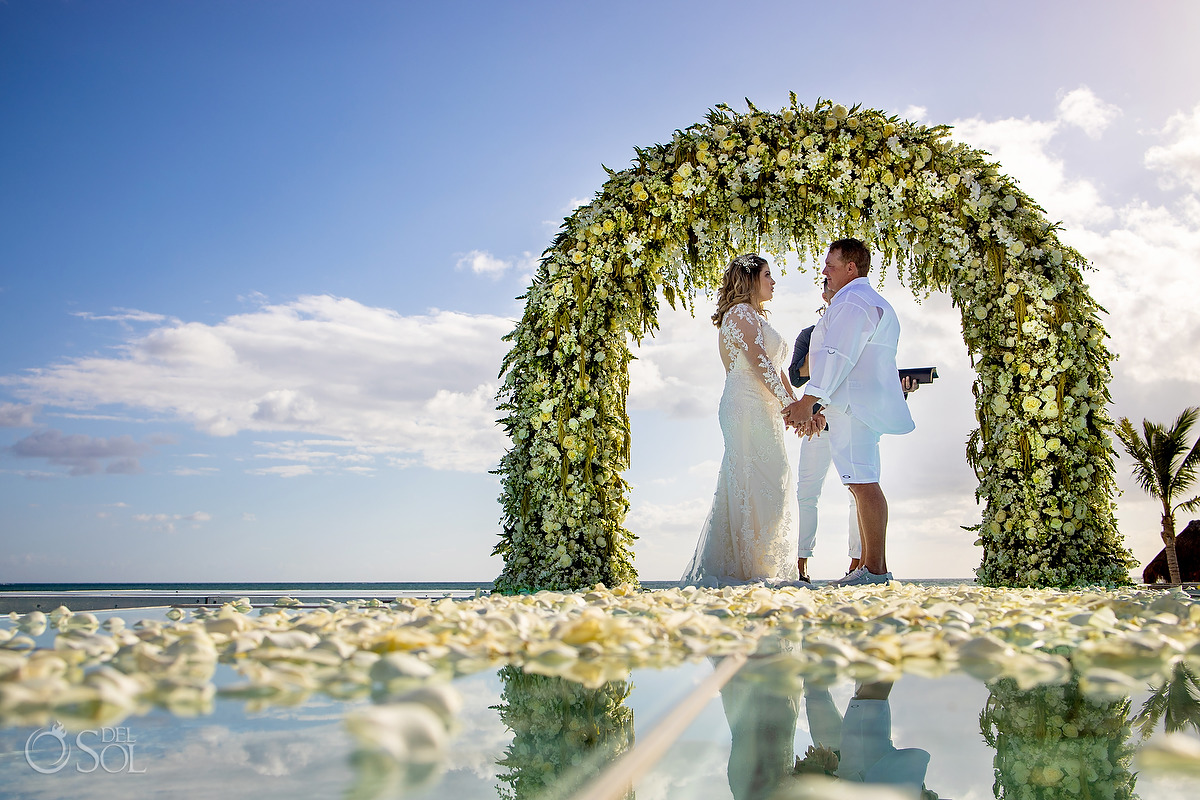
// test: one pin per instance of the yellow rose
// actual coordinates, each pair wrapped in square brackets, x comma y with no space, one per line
[830,123]
[609,226]
[783,157]
[840,111]
[728,144]
[1012,288]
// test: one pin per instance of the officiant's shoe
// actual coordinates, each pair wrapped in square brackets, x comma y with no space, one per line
[861,577]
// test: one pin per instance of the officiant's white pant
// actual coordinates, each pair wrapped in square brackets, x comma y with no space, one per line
[813,465]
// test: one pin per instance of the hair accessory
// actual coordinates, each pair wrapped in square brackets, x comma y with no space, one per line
[747,262]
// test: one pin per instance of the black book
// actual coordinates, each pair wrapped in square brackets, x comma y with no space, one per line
[920,374]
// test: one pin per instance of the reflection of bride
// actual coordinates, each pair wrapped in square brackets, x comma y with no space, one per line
[748,534]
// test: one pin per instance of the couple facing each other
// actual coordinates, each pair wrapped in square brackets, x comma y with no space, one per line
[852,376]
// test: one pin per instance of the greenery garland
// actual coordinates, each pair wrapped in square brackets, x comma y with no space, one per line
[564,733]
[936,212]
[1054,743]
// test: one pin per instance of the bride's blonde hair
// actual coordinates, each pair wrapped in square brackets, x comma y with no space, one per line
[740,285]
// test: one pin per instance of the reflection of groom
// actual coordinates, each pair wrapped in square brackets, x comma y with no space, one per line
[853,375]
[863,737]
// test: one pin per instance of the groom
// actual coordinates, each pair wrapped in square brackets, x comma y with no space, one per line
[853,375]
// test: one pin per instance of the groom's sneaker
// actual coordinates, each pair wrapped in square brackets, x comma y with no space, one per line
[861,577]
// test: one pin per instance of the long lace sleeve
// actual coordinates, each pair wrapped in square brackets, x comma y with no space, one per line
[742,330]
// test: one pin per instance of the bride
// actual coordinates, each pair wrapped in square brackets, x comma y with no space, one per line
[748,535]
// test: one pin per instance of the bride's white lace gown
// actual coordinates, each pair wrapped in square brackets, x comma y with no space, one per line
[749,535]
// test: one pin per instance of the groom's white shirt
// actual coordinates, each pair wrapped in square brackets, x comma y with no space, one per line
[854,367]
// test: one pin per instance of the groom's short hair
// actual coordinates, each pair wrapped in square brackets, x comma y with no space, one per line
[856,251]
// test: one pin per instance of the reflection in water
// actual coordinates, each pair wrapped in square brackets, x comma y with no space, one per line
[855,746]
[1055,743]
[862,737]
[563,733]
[1175,702]
[762,720]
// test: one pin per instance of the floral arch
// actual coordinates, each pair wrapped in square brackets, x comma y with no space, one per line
[934,211]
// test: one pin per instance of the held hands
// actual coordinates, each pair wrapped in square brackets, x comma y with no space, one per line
[799,415]
[909,385]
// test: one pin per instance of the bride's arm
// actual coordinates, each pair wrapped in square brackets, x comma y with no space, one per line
[743,331]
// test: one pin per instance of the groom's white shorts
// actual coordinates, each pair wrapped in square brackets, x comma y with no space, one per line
[855,448]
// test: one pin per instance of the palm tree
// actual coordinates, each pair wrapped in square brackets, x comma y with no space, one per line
[1176,702]
[1165,468]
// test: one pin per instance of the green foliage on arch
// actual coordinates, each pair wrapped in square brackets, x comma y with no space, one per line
[936,213]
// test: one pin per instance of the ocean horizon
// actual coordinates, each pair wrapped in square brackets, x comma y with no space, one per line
[368,587]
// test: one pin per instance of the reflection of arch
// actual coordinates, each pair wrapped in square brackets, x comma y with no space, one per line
[935,211]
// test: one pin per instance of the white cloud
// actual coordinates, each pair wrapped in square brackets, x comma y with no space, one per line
[84,455]
[1021,147]
[1179,159]
[482,262]
[284,471]
[324,366]
[165,523]
[17,416]
[191,471]
[122,315]
[1082,108]
[914,113]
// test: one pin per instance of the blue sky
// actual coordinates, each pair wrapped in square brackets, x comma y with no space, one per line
[256,258]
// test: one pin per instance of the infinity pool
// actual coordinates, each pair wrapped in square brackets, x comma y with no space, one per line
[733,695]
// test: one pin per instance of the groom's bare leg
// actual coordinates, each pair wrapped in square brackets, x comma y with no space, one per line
[872,525]
[802,566]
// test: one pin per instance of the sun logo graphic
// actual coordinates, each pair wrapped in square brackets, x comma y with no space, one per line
[59,736]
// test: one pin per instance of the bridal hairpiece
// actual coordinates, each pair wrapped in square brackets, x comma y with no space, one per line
[746,262]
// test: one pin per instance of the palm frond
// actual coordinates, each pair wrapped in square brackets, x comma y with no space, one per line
[1139,450]
[1185,475]
[1175,454]
[1164,450]
[1189,505]
[1176,703]
[1151,712]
